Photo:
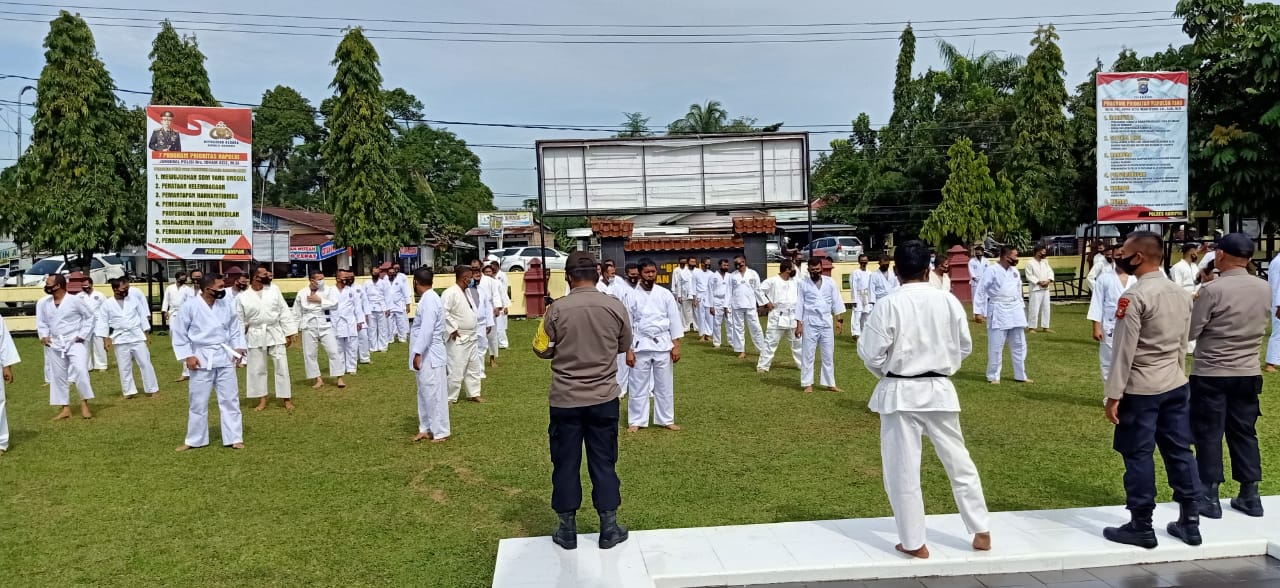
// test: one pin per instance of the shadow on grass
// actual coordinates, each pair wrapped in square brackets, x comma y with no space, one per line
[1059,397]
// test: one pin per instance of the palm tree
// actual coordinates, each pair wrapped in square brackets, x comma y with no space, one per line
[992,69]
[701,120]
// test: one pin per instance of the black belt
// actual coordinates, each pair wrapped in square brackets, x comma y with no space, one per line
[917,376]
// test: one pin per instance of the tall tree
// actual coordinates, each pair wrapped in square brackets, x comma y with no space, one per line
[711,118]
[178,75]
[371,210]
[450,170]
[1040,163]
[636,125]
[283,123]
[82,186]
[972,202]
[903,80]
[404,108]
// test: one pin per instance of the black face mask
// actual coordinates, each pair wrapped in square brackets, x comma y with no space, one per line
[265,281]
[182,281]
[1012,262]
[50,289]
[1126,265]
[120,294]
[219,294]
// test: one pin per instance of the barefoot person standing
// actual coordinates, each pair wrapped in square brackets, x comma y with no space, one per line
[64,324]
[211,342]
[914,341]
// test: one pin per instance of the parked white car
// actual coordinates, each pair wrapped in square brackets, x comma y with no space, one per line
[836,248]
[518,260]
[102,268]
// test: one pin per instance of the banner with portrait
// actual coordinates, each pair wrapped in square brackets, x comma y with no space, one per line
[1142,147]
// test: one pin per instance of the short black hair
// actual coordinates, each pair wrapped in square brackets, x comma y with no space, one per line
[460,270]
[60,280]
[609,263]
[1189,247]
[424,276]
[313,273]
[632,266]
[1007,249]
[815,261]
[645,262]
[179,275]
[1151,243]
[911,259]
[210,280]
[582,274]
[884,258]
[786,266]
[264,266]
[722,260]
[1039,248]
[115,282]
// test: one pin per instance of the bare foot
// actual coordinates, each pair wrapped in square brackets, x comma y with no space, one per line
[288,405]
[421,436]
[152,394]
[834,389]
[478,400]
[341,383]
[440,440]
[982,542]
[261,405]
[808,389]
[84,410]
[182,448]
[632,429]
[180,379]
[994,382]
[742,355]
[65,413]
[1026,381]
[237,445]
[922,553]
[762,371]
[671,427]
[319,383]
[130,396]
[493,362]
[1271,369]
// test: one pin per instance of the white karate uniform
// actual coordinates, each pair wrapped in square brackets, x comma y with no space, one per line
[883,283]
[378,305]
[621,290]
[1273,344]
[484,322]
[940,281]
[268,321]
[1184,274]
[920,331]
[174,298]
[977,267]
[498,300]
[8,357]
[316,325]
[399,315]
[701,295]
[69,326]
[1038,309]
[818,303]
[347,319]
[432,380]
[999,299]
[655,323]
[464,364]
[98,351]
[126,322]
[864,298]
[362,338]
[212,335]
[1100,266]
[718,309]
[781,324]
[501,326]
[744,304]
[682,289]
[1103,302]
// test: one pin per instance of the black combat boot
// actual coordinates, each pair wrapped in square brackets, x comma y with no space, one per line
[1248,502]
[1210,505]
[567,535]
[1137,531]
[1187,527]
[611,533]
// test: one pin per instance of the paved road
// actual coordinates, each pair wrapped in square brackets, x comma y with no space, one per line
[1255,572]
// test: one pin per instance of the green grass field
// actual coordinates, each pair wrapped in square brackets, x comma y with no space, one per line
[335,493]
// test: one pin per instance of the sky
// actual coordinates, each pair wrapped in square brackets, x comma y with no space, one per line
[804,84]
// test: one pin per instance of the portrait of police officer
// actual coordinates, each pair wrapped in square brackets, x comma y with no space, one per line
[1228,321]
[1148,399]
[165,138]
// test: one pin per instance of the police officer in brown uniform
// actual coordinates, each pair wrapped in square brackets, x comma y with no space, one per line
[1228,320]
[1148,398]
[584,333]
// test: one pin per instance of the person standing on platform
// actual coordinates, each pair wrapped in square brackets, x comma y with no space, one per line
[582,334]
[744,305]
[682,288]
[94,300]
[718,290]
[461,337]
[1229,317]
[212,342]
[376,293]
[270,327]
[427,359]
[883,282]
[914,342]
[977,267]
[1103,302]
[862,294]
[314,307]
[1184,274]
[656,332]
[1147,395]
[8,358]
[820,302]
[348,320]
[781,296]
[999,304]
[1273,344]
[124,324]
[502,320]
[1040,277]
[64,324]
[400,322]
[175,296]
[940,274]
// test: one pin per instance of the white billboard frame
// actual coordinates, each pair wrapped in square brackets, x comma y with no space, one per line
[754,171]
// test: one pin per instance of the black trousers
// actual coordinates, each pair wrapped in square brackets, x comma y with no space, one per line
[1147,422]
[570,428]
[1226,405]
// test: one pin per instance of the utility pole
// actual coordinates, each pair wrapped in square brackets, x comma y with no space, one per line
[21,93]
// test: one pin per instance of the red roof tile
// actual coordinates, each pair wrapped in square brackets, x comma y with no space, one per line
[701,243]
[321,221]
[755,225]
[308,239]
[612,228]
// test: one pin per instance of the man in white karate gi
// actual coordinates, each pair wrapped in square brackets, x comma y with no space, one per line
[656,331]
[489,294]
[363,347]
[1100,265]
[718,304]
[65,324]
[211,342]
[186,292]
[999,304]
[1040,277]
[235,282]
[501,301]
[781,296]
[376,292]
[1273,344]
[1184,274]
[397,304]
[914,342]
[701,283]
[428,360]
[883,281]
[505,286]
[619,289]
[1103,302]
[864,297]
[314,307]
[461,336]
[682,288]
[174,296]
[97,348]
[744,307]
[8,357]
[270,328]
[940,274]
[124,325]
[478,291]
[400,322]
[348,320]
[977,266]
[820,306]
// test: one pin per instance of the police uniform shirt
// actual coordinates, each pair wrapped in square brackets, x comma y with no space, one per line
[165,140]
[1228,321]
[1152,320]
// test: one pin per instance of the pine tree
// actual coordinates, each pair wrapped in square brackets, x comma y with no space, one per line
[1040,163]
[963,215]
[178,75]
[370,207]
[82,187]
[903,81]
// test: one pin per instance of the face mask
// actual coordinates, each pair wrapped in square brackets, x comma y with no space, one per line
[884,268]
[1013,263]
[351,281]
[474,282]
[182,282]
[265,281]
[817,276]
[1126,265]
[121,294]
[50,289]
[241,286]
[219,294]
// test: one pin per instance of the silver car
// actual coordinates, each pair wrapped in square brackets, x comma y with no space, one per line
[837,249]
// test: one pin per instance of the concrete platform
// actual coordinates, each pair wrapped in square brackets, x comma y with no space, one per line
[862,549]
